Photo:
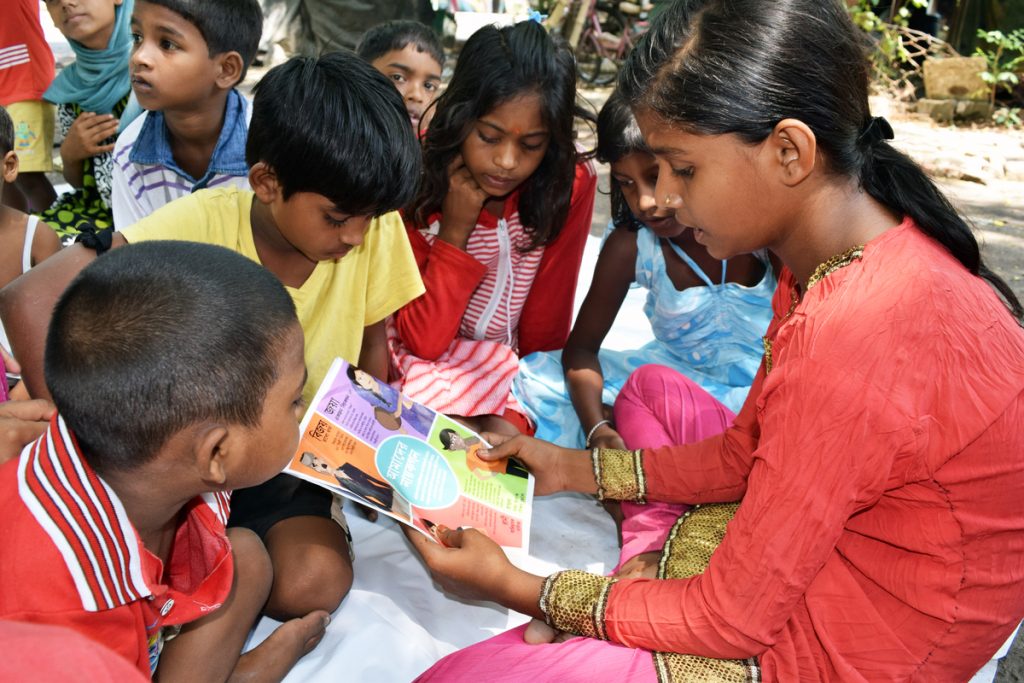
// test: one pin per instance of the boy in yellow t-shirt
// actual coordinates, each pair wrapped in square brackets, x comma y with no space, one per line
[332,157]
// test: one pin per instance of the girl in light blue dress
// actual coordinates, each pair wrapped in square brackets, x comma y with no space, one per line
[708,316]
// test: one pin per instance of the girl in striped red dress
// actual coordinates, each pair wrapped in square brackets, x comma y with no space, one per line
[498,227]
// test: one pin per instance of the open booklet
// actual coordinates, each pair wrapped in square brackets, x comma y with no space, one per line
[363,439]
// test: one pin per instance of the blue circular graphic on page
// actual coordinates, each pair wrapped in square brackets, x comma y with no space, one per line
[417,471]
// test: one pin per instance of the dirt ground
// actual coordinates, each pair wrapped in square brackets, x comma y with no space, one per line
[997,212]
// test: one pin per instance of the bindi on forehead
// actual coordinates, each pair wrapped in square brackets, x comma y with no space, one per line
[514,130]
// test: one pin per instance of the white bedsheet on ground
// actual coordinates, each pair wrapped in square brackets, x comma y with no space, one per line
[395,623]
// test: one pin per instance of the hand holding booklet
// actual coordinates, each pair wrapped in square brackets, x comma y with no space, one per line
[362,439]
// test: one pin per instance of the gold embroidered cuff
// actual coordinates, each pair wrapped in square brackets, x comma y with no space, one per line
[619,474]
[693,539]
[687,552]
[574,601]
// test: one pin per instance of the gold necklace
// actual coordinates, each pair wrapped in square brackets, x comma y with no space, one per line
[820,273]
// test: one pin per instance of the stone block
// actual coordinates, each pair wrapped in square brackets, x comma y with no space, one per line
[955,78]
[938,110]
[945,111]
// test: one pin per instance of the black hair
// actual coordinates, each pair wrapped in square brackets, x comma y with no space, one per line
[495,66]
[396,35]
[618,136]
[155,337]
[445,437]
[6,132]
[336,127]
[351,372]
[740,67]
[226,25]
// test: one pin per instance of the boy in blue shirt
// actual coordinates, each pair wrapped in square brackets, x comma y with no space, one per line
[187,58]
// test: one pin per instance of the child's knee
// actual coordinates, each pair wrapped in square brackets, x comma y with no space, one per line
[312,570]
[651,383]
[640,386]
[318,581]
[254,572]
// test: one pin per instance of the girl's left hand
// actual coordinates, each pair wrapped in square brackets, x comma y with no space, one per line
[472,566]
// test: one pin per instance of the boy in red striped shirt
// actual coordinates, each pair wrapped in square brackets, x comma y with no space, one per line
[177,371]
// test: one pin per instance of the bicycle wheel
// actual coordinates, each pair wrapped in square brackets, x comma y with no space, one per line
[594,67]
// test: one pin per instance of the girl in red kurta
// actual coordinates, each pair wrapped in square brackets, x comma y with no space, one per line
[871,482]
[498,228]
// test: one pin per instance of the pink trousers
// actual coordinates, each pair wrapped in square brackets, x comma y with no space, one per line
[660,407]
[656,407]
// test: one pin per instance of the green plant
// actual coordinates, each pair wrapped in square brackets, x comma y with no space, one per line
[889,55]
[1004,56]
[897,14]
[1008,117]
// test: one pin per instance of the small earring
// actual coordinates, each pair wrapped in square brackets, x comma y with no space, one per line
[669,198]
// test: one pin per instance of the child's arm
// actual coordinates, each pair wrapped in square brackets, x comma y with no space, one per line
[428,324]
[373,356]
[462,205]
[612,277]
[547,313]
[45,244]
[84,140]
[26,304]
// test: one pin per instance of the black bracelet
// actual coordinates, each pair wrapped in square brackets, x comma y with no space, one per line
[97,240]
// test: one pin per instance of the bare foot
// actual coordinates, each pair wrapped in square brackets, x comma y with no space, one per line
[538,633]
[642,566]
[272,659]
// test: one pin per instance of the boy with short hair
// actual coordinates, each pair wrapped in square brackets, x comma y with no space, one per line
[332,158]
[187,58]
[112,523]
[409,54]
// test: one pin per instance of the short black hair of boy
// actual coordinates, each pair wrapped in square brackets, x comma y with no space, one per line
[226,25]
[335,126]
[396,35]
[157,336]
[6,132]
